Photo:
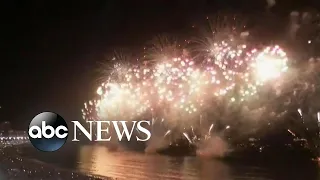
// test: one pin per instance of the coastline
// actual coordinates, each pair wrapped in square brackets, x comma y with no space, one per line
[15,167]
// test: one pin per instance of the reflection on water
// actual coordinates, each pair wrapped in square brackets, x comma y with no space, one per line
[132,165]
[97,160]
[138,166]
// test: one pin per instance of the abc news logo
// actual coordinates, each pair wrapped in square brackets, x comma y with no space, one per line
[48,131]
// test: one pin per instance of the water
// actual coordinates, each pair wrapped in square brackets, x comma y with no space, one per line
[98,160]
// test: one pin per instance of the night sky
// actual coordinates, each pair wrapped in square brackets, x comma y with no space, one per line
[50,50]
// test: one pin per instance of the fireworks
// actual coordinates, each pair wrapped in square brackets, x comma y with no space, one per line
[308,129]
[270,63]
[227,85]
[196,95]
[181,93]
[180,85]
[89,112]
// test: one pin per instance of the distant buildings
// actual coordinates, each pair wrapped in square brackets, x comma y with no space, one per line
[6,130]
[8,136]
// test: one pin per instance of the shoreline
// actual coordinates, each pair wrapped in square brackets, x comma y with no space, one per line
[15,167]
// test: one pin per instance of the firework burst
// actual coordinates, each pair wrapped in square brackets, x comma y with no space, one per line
[186,96]
[196,95]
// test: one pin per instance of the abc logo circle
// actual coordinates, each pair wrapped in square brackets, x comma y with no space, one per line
[48,131]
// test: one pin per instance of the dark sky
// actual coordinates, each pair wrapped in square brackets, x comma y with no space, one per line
[50,49]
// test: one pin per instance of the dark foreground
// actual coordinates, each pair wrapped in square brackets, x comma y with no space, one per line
[14,167]
[97,159]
